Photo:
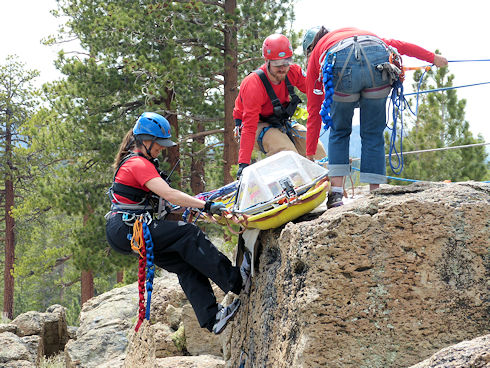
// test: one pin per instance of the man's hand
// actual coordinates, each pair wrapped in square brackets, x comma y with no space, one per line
[241,166]
[440,61]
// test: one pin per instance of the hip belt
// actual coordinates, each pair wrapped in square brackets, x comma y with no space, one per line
[365,40]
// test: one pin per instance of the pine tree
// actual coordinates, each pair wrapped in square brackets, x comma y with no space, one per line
[166,57]
[18,100]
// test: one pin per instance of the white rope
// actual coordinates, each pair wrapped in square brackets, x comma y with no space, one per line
[436,149]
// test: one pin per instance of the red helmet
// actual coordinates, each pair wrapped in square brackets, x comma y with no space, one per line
[276,47]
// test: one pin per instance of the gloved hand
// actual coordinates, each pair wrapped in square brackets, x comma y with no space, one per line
[241,166]
[214,208]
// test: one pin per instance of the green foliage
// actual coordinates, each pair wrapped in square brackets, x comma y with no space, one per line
[440,123]
[56,361]
[179,339]
[18,102]
[165,57]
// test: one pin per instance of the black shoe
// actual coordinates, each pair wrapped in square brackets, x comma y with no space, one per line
[334,199]
[224,315]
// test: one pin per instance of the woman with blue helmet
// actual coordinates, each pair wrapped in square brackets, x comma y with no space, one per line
[179,247]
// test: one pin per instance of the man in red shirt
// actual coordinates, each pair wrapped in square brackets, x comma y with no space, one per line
[359,64]
[266,103]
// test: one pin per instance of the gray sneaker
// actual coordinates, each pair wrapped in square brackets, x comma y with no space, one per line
[334,199]
[224,315]
[245,271]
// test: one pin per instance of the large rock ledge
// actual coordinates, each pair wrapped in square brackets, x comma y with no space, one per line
[387,280]
[384,281]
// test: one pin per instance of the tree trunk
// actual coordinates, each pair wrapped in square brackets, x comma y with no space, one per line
[230,153]
[87,285]
[197,164]
[120,276]
[8,294]
[87,279]
[172,153]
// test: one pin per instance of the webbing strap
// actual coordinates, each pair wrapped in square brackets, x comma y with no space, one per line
[279,110]
[129,192]
[270,92]
[261,137]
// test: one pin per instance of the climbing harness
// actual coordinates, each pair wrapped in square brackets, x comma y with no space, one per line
[147,203]
[281,117]
[139,216]
[327,61]
[142,244]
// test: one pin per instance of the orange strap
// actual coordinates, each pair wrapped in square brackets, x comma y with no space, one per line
[138,240]
[427,68]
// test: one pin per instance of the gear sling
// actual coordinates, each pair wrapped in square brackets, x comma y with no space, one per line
[281,116]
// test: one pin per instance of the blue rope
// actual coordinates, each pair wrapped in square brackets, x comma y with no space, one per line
[213,194]
[150,267]
[328,90]
[399,105]
[393,177]
[446,88]
[470,60]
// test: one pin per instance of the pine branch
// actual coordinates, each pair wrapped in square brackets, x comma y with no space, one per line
[68,284]
[244,61]
[202,134]
[206,2]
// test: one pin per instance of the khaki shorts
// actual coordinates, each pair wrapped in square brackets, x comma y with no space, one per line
[274,140]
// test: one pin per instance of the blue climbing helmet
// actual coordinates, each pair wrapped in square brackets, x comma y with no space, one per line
[154,127]
[309,37]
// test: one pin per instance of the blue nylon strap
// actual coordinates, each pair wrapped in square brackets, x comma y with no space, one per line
[261,136]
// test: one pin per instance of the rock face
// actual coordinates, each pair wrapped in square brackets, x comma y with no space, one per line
[104,324]
[173,333]
[384,281]
[474,354]
[31,336]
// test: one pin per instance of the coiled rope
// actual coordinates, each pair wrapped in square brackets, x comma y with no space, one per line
[142,244]
[400,104]
[150,268]
[328,88]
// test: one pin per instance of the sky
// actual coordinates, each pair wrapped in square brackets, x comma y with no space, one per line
[457,29]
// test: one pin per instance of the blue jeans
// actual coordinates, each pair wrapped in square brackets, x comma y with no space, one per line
[361,85]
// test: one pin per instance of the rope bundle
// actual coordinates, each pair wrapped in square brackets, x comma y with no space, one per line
[328,88]
[142,243]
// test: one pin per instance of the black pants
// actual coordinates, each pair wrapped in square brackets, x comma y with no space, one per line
[184,249]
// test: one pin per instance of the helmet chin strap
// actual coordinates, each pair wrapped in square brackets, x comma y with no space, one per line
[148,149]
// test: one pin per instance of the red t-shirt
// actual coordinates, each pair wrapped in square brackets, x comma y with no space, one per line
[314,103]
[253,101]
[135,172]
